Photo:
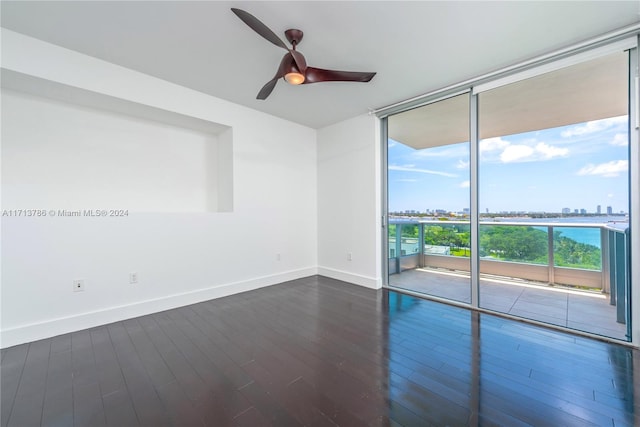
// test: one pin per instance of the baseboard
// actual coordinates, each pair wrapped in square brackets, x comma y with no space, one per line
[357,279]
[51,328]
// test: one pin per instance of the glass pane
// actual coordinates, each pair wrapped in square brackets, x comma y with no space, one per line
[577,247]
[516,243]
[392,240]
[428,184]
[553,177]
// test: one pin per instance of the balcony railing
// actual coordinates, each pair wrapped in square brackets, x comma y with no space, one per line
[618,277]
[519,250]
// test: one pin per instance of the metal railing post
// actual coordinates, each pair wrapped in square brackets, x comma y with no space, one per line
[421,245]
[612,266]
[550,256]
[621,277]
[398,246]
[604,261]
[627,282]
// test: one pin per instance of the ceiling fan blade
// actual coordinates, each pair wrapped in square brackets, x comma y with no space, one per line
[256,25]
[317,75]
[266,90]
[301,63]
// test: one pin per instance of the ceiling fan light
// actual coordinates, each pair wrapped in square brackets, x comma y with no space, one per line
[294,78]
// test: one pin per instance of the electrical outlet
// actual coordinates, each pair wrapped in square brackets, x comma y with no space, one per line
[133,278]
[78,285]
[278,257]
[349,256]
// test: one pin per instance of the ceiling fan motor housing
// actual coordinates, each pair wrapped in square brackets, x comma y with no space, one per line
[294,36]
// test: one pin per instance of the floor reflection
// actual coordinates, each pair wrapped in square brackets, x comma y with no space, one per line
[452,366]
[570,308]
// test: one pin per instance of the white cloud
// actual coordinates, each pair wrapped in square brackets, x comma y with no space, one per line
[514,153]
[456,150]
[610,195]
[526,151]
[549,152]
[427,171]
[462,164]
[593,126]
[608,170]
[492,144]
[406,180]
[620,140]
[588,127]
[465,184]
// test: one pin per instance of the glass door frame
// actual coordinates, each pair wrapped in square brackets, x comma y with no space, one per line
[384,135]
[634,189]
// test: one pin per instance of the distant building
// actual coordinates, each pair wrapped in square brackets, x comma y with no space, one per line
[576,211]
[599,209]
[583,211]
[566,210]
[609,210]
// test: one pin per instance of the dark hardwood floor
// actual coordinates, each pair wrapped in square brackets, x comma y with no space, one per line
[317,351]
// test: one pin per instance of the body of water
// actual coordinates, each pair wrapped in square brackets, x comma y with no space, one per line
[589,236]
[604,219]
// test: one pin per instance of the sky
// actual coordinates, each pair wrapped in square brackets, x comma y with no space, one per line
[578,167]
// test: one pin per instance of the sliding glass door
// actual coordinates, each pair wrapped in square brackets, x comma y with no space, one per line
[515,197]
[428,181]
[553,181]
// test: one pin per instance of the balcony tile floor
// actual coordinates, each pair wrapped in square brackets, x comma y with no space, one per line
[580,310]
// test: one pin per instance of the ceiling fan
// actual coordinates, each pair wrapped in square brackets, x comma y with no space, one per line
[293,67]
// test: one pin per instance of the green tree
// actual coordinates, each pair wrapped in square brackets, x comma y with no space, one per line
[511,243]
[569,253]
[409,230]
[514,243]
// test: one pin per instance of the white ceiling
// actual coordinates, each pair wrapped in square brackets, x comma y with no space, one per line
[415,47]
[591,90]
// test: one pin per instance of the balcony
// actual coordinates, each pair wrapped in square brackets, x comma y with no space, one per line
[534,270]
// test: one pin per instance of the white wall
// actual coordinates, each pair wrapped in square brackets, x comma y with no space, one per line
[180,257]
[64,156]
[349,201]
